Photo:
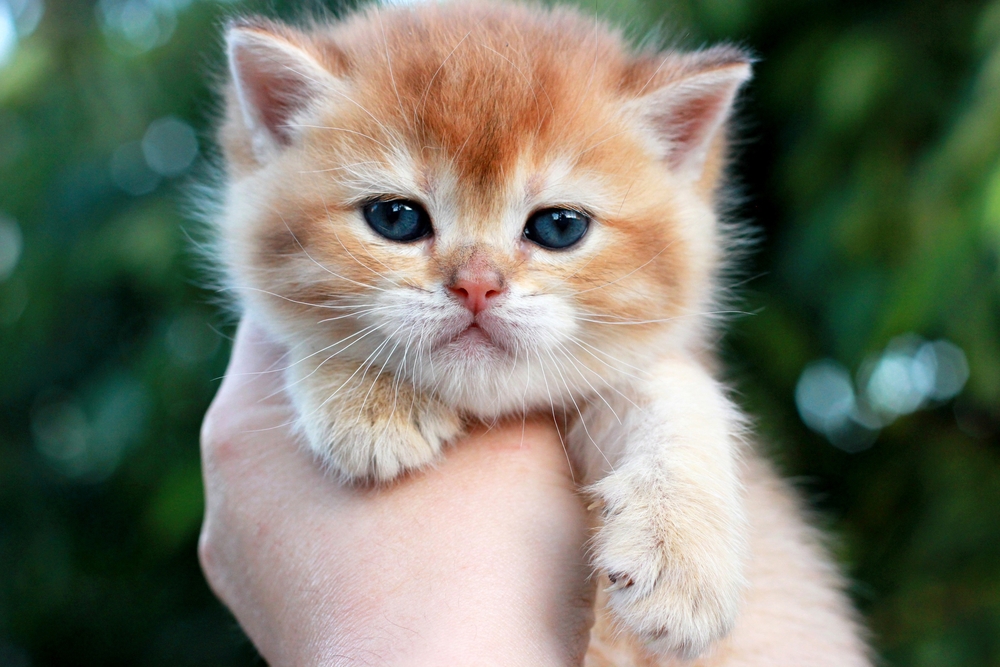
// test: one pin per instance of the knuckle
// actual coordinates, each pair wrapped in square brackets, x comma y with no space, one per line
[212,427]
[206,551]
[218,445]
[208,558]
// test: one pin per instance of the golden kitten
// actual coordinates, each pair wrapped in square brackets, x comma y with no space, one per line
[455,212]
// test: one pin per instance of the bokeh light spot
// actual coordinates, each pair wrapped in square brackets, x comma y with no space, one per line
[824,395]
[169,146]
[8,33]
[136,26]
[908,375]
[951,369]
[891,388]
[27,15]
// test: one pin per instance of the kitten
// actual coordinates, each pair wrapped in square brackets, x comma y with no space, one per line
[455,212]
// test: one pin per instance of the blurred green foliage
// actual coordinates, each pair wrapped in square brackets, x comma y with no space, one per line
[870,161]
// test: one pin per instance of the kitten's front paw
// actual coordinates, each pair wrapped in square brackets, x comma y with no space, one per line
[373,430]
[384,446]
[674,564]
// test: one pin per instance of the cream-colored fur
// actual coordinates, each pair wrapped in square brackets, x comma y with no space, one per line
[674,524]
[794,612]
[483,115]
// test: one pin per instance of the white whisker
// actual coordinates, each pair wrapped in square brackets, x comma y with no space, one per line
[325,268]
[638,268]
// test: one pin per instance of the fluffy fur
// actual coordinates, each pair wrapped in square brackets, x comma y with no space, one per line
[485,114]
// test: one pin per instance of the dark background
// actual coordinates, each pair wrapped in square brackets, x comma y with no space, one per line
[869,163]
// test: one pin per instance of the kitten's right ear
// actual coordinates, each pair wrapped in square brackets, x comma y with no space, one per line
[275,77]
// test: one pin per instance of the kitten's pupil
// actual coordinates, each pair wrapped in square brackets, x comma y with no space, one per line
[398,219]
[556,228]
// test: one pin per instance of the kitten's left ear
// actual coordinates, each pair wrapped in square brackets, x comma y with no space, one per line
[685,103]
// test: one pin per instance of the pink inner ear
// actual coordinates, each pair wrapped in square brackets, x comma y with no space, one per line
[688,114]
[691,124]
[274,80]
[274,95]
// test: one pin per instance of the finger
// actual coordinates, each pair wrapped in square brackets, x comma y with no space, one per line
[256,367]
[534,440]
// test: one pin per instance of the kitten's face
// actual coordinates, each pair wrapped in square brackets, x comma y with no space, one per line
[478,200]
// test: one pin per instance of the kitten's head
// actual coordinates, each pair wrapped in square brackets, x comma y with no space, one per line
[503,205]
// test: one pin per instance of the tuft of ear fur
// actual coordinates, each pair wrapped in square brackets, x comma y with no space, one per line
[275,77]
[685,102]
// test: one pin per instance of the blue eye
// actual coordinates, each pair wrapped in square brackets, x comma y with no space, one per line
[556,228]
[398,219]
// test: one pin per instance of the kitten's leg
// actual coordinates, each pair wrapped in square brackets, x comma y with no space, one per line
[673,540]
[795,613]
[366,423]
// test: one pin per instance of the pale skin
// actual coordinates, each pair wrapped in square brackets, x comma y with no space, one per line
[479,560]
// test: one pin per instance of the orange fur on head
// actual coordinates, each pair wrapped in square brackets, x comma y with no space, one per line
[483,113]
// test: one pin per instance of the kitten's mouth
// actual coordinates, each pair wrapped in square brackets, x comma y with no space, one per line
[478,339]
[474,332]
[473,337]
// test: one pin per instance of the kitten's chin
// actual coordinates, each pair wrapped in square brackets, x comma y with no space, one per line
[470,372]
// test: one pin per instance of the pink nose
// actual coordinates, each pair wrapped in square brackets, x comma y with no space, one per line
[477,294]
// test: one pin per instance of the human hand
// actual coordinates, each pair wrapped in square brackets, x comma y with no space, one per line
[477,561]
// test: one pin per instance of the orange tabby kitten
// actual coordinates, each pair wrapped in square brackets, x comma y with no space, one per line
[455,212]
